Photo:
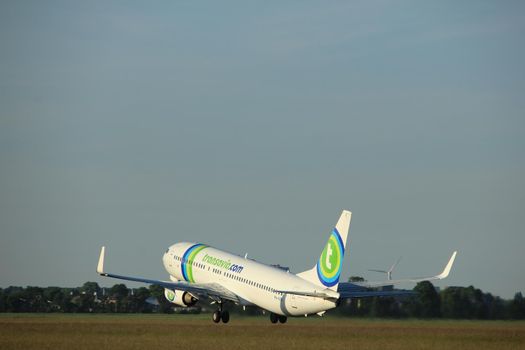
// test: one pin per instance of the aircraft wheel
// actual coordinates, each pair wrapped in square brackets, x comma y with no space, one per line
[216,317]
[283,319]
[225,316]
[274,318]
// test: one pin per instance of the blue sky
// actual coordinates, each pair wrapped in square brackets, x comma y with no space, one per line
[250,125]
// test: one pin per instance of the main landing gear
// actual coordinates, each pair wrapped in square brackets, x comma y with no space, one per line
[221,314]
[274,318]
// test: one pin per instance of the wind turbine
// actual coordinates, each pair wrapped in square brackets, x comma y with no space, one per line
[389,272]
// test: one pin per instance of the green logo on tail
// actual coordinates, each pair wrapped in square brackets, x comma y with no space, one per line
[331,260]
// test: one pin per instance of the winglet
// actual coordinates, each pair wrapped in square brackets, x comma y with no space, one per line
[447,269]
[100,266]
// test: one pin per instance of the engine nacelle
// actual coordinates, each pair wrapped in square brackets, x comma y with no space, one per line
[179,297]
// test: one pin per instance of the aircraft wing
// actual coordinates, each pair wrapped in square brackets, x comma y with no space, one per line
[376,293]
[349,291]
[442,275]
[200,290]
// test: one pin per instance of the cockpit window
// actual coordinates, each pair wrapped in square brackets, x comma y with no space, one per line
[167,250]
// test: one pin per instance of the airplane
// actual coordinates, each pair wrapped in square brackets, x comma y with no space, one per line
[198,272]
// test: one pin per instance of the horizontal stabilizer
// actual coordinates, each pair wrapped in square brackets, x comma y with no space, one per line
[325,294]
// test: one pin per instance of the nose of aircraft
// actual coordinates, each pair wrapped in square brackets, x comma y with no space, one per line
[165,259]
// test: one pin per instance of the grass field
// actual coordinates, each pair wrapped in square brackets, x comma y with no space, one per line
[53,331]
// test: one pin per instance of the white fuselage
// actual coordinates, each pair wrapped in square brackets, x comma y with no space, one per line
[253,282]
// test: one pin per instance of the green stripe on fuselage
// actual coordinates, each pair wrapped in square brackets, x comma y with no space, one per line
[189,266]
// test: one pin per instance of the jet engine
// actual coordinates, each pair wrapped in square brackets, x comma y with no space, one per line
[179,297]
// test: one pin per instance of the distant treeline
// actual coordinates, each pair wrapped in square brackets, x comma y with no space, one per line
[452,302]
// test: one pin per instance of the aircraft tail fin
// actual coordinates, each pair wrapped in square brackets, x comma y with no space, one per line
[328,268]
